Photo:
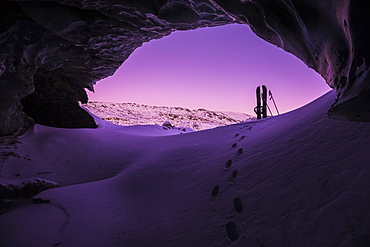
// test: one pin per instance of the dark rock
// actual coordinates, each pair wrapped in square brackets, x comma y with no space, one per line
[13,121]
[55,102]
[25,190]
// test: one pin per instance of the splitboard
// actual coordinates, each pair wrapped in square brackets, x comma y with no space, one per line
[264,102]
[257,109]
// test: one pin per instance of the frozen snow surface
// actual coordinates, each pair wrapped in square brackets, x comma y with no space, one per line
[134,114]
[298,179]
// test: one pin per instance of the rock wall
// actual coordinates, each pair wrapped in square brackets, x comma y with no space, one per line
[55,102]
[88,40]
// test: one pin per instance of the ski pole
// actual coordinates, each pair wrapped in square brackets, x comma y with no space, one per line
[269,110]
[273,100]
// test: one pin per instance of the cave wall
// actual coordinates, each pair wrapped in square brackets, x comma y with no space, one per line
[85,41]
[329,36]
[55,102]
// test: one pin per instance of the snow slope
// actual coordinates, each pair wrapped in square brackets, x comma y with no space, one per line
[299,179]
[134,114]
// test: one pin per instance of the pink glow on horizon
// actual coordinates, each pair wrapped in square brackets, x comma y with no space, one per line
[213,68]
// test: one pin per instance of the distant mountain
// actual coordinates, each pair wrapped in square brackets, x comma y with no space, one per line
[137,114]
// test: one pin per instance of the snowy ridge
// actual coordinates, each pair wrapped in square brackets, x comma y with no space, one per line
[138,114]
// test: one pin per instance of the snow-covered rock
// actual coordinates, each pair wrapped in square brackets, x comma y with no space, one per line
[24,188]
[134,114]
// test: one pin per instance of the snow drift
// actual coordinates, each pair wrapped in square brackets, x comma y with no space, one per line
[298,179]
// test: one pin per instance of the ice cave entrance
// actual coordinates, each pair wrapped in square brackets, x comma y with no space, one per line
[214,68]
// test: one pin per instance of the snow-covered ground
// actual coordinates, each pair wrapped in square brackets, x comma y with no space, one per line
[135,114]
[298,179]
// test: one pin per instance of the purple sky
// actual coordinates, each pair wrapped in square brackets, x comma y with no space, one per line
[213,68]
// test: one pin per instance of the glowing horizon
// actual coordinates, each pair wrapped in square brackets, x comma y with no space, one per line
[212,68]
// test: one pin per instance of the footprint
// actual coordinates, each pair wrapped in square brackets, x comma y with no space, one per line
[228,163]
[238,205]
[215,191]
[241,138]
[236,135]
[240,151]
[233,176]
[234,145]
[232,231]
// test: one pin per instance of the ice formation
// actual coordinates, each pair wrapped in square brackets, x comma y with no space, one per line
[84,41]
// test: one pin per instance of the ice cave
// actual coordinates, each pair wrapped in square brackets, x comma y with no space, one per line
[69,178]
